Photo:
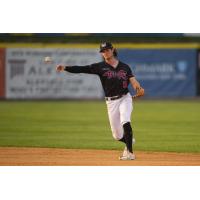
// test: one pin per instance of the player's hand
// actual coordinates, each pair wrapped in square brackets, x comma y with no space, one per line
[139,92]
[60,68]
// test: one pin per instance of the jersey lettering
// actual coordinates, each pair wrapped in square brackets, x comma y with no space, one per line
[112,74]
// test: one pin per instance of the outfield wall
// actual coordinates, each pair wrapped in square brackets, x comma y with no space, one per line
[28,76]
[164,70]
[2,72]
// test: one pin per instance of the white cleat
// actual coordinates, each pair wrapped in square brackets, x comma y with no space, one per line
[128,156]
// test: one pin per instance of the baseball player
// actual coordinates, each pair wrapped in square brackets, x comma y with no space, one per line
[115,77]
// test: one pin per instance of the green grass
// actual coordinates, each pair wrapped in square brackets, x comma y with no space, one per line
[158,125]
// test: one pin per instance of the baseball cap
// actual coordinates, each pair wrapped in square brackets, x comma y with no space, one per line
[105,45]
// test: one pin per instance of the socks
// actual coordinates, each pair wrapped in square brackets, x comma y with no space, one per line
[122,140]
[128,136]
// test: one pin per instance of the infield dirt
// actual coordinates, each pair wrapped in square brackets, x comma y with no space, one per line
[13,156]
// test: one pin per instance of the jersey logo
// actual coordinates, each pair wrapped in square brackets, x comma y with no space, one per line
[120,74]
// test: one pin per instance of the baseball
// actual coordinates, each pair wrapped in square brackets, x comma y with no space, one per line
[47,59]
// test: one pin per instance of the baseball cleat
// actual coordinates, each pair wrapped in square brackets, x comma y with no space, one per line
[128,156]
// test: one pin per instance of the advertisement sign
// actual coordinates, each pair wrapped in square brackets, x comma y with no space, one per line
[2,73]
[163,72]
[28,76]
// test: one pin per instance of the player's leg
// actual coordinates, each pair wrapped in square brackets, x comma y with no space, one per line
[125,109]
[114,119]
[128,136]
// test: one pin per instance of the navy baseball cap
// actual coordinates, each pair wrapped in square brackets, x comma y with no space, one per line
[105,45]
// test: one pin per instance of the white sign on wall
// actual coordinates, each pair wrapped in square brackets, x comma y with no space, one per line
[28,76]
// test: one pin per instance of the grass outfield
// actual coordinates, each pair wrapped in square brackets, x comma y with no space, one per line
[158,125]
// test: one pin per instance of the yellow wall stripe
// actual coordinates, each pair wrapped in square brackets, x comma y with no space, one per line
[96,46]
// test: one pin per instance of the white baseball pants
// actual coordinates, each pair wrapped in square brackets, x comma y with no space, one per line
[119,113]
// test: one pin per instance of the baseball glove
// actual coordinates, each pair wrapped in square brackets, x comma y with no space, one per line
[139,92]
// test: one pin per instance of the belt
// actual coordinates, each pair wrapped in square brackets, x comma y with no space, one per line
[113,98]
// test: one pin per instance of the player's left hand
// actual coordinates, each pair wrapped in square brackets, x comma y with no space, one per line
[139,92]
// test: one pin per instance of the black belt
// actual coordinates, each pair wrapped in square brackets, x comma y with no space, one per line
[113,98]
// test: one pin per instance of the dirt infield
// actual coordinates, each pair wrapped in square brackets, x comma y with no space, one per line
[10,156]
